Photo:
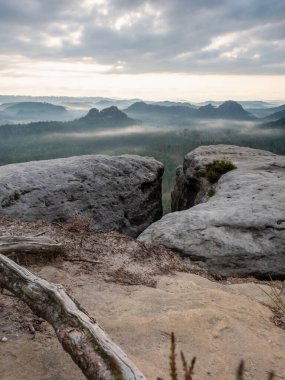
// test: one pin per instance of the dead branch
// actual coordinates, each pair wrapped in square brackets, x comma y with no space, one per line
[21,247]
[86,342]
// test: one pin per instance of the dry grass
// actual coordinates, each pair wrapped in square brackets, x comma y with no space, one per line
[78,224]
[188,370]
[278,304]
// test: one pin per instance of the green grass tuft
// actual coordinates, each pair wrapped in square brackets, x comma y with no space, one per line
[217,168]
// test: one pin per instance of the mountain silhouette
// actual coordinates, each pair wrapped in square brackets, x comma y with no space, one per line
[109,116]
[276,115]
[227,110]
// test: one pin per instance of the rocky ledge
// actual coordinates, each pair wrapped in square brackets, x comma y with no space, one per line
[235,227]
[117,193]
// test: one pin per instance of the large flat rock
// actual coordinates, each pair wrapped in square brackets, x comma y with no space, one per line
[240,230]
[219,324]
[117,193]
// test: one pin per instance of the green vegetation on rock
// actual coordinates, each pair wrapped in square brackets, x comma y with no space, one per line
[166,203]
[217,168]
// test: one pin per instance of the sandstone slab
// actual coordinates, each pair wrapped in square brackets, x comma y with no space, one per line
[117,193]
[219,324]
[240,229]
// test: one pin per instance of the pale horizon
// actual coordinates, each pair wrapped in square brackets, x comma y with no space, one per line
[156,87]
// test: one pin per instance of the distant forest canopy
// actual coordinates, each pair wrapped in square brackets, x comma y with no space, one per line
[167,138]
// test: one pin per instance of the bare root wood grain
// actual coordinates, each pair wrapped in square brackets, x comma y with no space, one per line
[86,342]
[29,249]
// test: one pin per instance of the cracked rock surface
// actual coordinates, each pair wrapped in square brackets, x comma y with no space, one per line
[120,193]
[238,231]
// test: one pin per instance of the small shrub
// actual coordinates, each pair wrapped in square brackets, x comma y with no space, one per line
[217,168]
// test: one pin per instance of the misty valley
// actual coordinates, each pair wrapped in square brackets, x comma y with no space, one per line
[163,130]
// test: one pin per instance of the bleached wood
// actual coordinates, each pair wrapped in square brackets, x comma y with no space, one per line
[80,335]
[21,247]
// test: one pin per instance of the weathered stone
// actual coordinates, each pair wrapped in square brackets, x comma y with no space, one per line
[117,193]
[219,324]
[240,230]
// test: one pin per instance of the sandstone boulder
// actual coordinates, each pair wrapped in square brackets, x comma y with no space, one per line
[240,229]
[117,193]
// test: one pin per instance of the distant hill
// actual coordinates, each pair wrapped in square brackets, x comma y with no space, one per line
[278,124]
[15,113]
[33,111]
[168,103]
[254,104]
[233,110]
[277,109]
[265,112]
[94,120]
[120,103]
[207,111]
[227,110]
[246,104]
[158,114]
[28,108]
[142,107]
[276,115]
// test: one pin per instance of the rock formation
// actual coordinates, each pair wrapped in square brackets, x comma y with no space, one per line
[110,116]
[117,193]
[237,225]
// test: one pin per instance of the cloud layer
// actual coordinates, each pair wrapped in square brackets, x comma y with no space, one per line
[138,36]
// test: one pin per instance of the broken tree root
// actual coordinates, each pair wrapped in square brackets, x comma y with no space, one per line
[85,341]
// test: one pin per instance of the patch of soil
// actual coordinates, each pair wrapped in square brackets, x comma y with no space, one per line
[17,318]
[110,256]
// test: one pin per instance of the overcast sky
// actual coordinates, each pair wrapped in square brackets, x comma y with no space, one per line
[186,49]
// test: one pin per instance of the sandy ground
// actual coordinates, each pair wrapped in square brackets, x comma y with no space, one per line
[139,295]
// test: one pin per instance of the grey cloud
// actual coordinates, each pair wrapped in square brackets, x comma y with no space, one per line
[170,36]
